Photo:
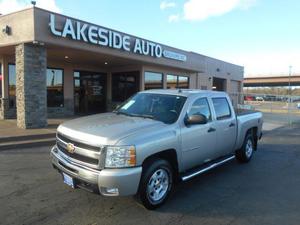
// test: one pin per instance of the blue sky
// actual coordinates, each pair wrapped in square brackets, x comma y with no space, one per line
[262,35]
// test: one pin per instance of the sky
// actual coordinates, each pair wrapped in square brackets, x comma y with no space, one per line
[261,35]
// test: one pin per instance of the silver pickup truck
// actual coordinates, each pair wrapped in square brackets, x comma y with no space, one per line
[153,140]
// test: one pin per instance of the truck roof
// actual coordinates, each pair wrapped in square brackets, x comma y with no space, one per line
[187,92]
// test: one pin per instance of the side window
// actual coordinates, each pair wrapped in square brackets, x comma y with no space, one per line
[200,106]
[222,108]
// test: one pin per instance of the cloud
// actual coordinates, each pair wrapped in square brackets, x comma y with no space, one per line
[265,63]
[165,4]
[199,10]
[174,18]
[8,6]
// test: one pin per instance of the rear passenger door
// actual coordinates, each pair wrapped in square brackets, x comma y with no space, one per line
[199,140]
[225,126]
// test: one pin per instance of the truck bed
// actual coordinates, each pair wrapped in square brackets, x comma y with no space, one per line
[242,112]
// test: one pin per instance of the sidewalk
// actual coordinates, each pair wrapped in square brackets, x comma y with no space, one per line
[13,137]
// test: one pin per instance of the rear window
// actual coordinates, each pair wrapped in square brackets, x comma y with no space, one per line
[222,108]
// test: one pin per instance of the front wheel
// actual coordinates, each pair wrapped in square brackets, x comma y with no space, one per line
[156,183]
[245,153]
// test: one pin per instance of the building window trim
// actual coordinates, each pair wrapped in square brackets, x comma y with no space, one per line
[157,73]
[63,87]
[177,80]
[10,97]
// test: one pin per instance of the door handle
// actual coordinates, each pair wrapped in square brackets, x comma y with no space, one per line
[232,125]
[211,130]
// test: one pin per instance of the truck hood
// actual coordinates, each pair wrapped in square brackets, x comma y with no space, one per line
[106,128]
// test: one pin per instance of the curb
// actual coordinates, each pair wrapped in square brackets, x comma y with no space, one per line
[10,146]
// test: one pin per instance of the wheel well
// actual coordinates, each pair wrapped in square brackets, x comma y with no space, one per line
[169,155]
[253,131]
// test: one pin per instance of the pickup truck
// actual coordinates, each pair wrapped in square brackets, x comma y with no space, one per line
[153,140]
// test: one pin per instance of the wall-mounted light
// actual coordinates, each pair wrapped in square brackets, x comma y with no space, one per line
[66,57]
[106,63]
[218,70]
[6,30]
[33,3]
[209,78]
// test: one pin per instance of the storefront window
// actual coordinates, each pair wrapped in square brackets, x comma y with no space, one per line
[124,85]
[55,90]
[1,77]
[12,85]
[153,80]
[175,81]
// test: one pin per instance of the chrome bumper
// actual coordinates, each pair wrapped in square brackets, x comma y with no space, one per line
[125,181]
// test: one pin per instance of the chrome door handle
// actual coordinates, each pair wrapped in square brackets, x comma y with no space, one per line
[211,130]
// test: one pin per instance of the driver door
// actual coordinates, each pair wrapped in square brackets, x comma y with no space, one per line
[199,140]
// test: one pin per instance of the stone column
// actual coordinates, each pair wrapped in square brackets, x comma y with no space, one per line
[31,92]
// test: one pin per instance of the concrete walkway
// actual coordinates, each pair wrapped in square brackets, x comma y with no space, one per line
[13,137]
[8,128]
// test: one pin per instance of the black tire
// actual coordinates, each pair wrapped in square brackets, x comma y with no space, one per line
[151,170]
[244,154]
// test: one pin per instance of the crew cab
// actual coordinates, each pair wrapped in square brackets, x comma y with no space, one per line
[152,140]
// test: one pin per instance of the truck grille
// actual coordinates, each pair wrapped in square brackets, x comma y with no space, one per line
[61,142]
[78,144]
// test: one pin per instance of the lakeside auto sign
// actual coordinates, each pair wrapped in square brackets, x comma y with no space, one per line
[79,31]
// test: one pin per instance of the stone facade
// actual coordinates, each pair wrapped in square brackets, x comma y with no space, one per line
[5,111]
[31,91]
[59,112]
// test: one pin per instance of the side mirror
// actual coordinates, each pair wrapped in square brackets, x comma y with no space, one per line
[196,119]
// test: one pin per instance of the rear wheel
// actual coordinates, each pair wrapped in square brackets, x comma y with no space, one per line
[245,153]
[156,183]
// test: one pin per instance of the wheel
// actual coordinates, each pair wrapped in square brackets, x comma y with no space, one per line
[156,183]
[245,153]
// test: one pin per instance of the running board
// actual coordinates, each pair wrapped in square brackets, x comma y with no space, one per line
[203,170]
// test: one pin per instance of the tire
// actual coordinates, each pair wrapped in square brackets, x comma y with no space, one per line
[244,154]
[156,183]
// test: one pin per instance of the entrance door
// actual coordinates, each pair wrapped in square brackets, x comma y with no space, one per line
[89,92]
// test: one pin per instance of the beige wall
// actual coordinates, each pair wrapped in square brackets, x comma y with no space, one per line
[22,27]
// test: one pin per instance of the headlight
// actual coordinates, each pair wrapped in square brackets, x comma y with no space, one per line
[120,156]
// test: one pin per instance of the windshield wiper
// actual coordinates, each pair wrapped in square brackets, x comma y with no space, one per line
[146,116]
[122,113]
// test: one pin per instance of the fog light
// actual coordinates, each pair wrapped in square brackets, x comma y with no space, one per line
[113,191]
[109,191]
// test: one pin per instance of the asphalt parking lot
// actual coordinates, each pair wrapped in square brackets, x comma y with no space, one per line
[265,191]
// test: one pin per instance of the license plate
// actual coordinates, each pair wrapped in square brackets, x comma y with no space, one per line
[68,180]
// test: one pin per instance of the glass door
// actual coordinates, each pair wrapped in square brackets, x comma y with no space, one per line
[89,92]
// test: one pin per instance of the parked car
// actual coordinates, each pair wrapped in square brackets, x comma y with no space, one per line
[155,138]
[259,99]
[249,98]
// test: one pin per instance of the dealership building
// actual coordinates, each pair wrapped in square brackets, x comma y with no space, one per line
[52,66]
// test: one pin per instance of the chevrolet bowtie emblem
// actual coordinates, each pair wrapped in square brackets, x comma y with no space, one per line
[70,148]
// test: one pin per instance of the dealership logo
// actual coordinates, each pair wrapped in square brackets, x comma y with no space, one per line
[100,36]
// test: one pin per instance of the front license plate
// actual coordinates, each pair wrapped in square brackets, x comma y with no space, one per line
[68,180]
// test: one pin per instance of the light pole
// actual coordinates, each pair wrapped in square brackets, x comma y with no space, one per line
[290,74]
[290,92]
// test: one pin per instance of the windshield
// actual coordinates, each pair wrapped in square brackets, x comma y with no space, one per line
[165,108]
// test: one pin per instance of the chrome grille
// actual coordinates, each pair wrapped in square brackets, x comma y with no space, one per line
[86,154]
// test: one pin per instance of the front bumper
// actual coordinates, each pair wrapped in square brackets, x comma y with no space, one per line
[125,180]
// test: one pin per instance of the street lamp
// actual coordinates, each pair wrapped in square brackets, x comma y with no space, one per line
[290,74]
[290,100]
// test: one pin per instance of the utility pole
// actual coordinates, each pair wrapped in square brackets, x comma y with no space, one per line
[289,97]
